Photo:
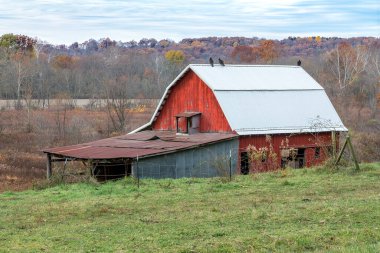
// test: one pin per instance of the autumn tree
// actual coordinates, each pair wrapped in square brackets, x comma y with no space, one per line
[269,51]
[19,50]
[175,56]
[65,68]
[246,54]
[373,70]
[266,52]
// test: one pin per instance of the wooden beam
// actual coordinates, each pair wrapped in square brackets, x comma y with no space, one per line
[341,151]
[59,159]
[353,153]
[351,148]
[333,142]
[48,166]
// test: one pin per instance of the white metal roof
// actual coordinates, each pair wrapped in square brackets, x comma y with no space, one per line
[270,112]
[265,99]
[255,77]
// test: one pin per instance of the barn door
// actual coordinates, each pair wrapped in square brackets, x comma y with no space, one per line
[244,163]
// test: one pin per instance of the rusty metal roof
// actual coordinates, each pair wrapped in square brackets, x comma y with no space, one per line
[141,144]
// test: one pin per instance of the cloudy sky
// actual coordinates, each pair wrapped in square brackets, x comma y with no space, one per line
[67,21]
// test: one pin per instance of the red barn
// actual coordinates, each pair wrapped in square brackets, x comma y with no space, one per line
[260,117]
[279,110]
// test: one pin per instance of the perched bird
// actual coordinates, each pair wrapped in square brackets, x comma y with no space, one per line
[221,62]
[299,63]
[211,62]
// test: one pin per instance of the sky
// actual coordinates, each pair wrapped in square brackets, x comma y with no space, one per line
[68,21]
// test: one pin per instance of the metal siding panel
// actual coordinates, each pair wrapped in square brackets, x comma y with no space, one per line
[197,162]
[181,164]
[189,163]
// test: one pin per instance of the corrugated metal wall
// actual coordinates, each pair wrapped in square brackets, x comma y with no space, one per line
[192,94]
[206,161]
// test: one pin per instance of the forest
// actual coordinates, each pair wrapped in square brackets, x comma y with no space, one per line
[43,81]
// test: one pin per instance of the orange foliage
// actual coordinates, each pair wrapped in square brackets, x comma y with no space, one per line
[266,52]
[64,62]
[269,51]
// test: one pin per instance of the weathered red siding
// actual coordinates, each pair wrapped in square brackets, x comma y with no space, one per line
[192,94]
[307,141]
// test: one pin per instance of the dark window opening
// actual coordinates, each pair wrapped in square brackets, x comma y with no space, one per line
[330,151]
[264,157]
[301,157]
[317,153]
[244,163]
[293,157]
[109,171]
[283,163]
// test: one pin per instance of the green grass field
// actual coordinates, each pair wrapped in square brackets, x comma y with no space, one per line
[287,211]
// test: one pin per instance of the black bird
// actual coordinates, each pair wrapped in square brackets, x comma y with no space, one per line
[221,62]
[299,63]
[211,62]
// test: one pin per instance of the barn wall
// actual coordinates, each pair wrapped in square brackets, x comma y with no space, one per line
[279,141]
[206,161]
[192,94]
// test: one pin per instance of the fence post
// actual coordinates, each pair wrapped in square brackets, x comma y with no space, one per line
[48,166]
[230,165]
[137,172]
[333,137]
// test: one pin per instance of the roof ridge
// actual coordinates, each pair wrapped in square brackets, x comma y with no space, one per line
[245,65]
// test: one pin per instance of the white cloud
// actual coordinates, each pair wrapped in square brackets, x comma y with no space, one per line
[61,21]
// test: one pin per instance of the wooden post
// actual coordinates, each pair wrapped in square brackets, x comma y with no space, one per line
[333,140]
[341,151]
[48,166]
[353,153]
[348,141]
[137,172]
[230,165]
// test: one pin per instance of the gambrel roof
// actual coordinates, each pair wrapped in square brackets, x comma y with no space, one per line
[265,99]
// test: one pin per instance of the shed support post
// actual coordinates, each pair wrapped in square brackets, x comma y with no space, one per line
[352,151]
[48,166]
[230,164]
[137,172]
[333,140]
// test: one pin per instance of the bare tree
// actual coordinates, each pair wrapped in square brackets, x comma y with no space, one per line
[117,102]
[347,63]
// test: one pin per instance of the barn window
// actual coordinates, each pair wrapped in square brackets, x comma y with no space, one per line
[317,153]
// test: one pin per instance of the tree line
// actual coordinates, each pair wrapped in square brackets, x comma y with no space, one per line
[349,69]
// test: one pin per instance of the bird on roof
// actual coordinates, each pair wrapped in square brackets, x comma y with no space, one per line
[211,62]
[299,63]
[221,62]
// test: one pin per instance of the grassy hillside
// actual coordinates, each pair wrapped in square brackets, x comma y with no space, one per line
[291,210]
